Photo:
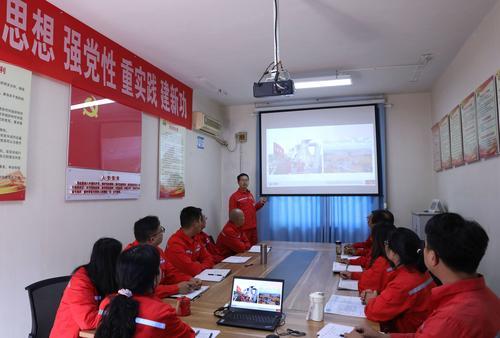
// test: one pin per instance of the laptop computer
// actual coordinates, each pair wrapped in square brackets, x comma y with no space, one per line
[256,303]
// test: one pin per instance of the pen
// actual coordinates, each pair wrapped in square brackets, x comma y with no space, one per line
[215,274]
[210,336]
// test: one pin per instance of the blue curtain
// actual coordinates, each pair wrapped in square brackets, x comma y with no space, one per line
[316,218]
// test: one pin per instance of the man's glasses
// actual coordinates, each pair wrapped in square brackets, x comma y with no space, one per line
[162,230]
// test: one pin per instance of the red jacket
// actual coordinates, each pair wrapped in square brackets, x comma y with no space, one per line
[363,260]
[375,277]
[404,303]
[244,200]
[155,319]
[170,276]
[187,254]
[207,241]
[464,309]
[363,246]
[232,240]
[79,307]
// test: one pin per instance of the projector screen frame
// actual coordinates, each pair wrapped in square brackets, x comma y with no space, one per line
[377,139]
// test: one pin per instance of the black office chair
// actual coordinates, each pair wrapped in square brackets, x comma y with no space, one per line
[45,297]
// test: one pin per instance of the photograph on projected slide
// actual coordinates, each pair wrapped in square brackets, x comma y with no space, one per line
[321,150]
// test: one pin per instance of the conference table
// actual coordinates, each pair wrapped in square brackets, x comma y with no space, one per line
[317,276]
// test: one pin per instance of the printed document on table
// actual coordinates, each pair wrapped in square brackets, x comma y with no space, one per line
[348,284]
[193,294]
[236,259]
[345,306]
[205,333]
[331,330]
[256,249]
[354,268]
[213,275]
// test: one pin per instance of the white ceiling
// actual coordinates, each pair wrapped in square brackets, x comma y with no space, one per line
[226,44]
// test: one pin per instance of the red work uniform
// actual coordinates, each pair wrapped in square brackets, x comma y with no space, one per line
[208,242]
[361,247]
[244,200]
[79,307]
[232,240]
[376,277]
[155,319]
[187,254]
[170,276]
[463,309]
[405,302]
[364,260]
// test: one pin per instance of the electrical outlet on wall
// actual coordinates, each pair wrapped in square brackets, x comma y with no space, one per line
[241,136]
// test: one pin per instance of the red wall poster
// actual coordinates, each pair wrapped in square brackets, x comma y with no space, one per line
[104,151]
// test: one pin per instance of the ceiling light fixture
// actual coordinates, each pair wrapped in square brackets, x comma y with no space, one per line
[320,82]
[92,103]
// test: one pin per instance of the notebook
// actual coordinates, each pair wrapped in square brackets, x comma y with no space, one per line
[348,284]
[256,249]
[192,295]
[338,267]
[213,275]
[345,306]
[236,259]
[331,330]
[256,303]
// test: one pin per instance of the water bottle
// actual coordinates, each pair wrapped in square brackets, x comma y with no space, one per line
[316,306]
[263,253]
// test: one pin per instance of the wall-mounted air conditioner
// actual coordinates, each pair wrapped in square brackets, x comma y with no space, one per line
[205,123]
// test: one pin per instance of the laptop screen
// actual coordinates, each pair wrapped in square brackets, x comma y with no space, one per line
[257,294]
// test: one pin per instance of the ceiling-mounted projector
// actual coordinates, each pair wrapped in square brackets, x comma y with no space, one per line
[276,80]
[273,88]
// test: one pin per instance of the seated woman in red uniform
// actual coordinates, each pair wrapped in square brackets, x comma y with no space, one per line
[405,302]
[135,312]
[463,306]
[378,274]
[89,284]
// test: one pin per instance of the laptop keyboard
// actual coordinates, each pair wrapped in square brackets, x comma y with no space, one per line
[250,317]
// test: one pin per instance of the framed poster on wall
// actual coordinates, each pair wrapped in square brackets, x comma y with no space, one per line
[171,160]
[104,150]
[469,129]
[487,118]
[444,135]
[457,150]
[15,90]
[436,148]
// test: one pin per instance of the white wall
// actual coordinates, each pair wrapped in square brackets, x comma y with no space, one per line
[45,236]
[473,190]
[409,156]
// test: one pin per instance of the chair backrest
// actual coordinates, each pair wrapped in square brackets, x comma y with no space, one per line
[45,297]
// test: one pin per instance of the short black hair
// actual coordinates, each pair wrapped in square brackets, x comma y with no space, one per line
[460,243]
[145,228]
[382,215]
[241,175]
[189,215]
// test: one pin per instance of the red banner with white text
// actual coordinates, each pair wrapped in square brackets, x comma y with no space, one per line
[39,36]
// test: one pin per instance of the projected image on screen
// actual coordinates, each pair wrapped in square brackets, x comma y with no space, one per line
[335,155]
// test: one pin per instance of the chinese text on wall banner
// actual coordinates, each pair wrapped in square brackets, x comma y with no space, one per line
[38,36]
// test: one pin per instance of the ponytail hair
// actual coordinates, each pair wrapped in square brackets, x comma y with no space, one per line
[409,248]
[380,233]
[136,271]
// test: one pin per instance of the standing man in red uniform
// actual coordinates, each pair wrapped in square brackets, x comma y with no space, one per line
[244,200]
